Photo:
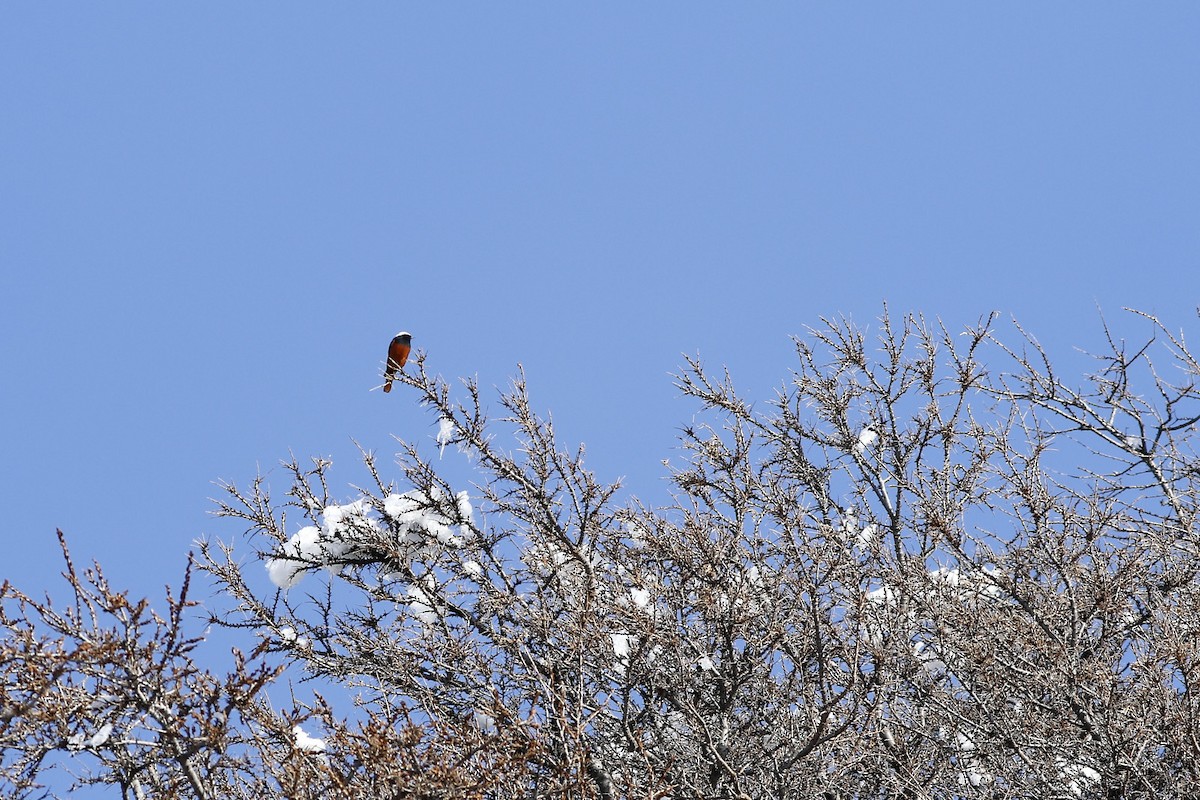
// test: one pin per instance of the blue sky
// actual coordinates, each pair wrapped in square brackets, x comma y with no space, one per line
[214,216]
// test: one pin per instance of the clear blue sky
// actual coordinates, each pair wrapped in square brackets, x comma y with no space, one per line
[214,216]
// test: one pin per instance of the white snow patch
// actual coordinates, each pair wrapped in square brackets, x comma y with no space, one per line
[350,520]
[289,635]
[466,512]
[81,740]
[884,595]
[445,434]
[850,520]
[484,721]
[101,736]
[866,537]
[1079,777]
[621,644]
[421,604]
[641,599]
[866,438]
[309,744]
[296,556]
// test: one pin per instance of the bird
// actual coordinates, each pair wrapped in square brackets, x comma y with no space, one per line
[398,350]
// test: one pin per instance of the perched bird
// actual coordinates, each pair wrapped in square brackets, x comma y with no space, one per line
[397,355]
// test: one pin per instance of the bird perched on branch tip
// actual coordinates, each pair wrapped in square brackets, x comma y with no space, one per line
[398,351]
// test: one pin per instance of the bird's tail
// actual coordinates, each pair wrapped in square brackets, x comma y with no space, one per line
[387,387]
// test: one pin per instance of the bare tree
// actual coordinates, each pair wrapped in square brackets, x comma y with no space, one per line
[107,678]
[105,692]
[929,567]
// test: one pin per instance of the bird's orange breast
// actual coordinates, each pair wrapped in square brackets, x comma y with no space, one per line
[398,353]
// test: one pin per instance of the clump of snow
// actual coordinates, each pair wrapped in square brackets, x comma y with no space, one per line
[306,743]
[81,740]
[641,599]
[418,516]
[289,635]
[466,513]
[849,520]
[866,537]
[445,434]
[884,595]
[623,646]
[484,721]
[970,585]
[416,519]
[866,438]
[946,575]
[421,602]
[972,771]
[1079,777]
[621,643]
[297,555]
[879,624]
[349,520]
